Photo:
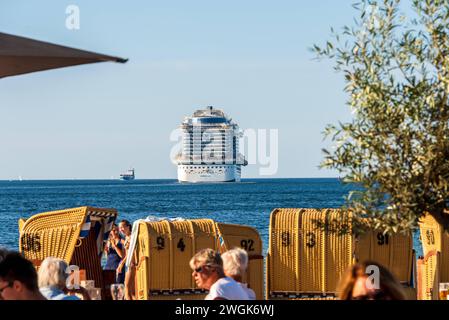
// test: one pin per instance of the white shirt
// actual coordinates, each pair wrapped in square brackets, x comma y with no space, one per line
[250,292]
[227,288]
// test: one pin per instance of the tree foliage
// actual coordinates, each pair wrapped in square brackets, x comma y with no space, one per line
[396,146]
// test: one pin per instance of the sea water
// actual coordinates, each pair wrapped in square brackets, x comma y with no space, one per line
[248,202]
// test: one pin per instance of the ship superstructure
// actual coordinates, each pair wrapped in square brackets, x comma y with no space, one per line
[210,148]
[128,175]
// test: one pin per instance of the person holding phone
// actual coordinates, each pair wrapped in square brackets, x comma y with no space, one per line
[114,253]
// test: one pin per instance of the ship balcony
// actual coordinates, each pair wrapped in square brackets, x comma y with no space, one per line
[200,137]
[199,149]
[207,144]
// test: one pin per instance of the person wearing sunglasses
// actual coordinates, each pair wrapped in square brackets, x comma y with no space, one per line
[358,283]
[18,279]
[208,273]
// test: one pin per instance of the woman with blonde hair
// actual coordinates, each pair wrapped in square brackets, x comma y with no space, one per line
[235,263]
[52,281]
[369,281]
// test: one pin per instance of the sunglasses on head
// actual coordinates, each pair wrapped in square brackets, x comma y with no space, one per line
[201,268]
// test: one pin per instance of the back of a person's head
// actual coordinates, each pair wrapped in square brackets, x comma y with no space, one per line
[52,273]
[389,287]
[15,267]
[207,257]
[235,262]
[3,253]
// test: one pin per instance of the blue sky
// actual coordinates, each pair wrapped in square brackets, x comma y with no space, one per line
[250,58]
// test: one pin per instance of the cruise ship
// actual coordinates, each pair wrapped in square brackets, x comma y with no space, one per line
[210,148]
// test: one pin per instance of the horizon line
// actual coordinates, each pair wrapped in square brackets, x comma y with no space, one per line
[143,179]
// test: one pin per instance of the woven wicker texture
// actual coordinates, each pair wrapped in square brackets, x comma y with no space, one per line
[165,248]
[395,252]
[237,236]
[52,234]
[338,251]
[433,238]
[431,234]
[304,258]
[55,233]
[283,255]
[428,276]
[164,251]
[142,253]
[172,296]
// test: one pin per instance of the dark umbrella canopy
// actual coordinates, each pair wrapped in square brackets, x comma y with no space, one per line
[20,55]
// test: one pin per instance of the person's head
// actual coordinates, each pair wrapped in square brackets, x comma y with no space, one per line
[235,262]
[125,227]
[114,233]
[360,283]
[3,253]
[52,273]
[207,268]
[18,278]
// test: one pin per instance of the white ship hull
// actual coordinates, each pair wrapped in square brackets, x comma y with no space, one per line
[209,173]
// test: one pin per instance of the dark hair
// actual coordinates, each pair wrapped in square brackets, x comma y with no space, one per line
[390,287]
[127,223]
[15,267]
[3,253]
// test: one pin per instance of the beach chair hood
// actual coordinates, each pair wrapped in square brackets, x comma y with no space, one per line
[58,233]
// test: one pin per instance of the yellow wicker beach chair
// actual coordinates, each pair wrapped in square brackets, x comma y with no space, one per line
[428,276]
[246,238]
[433,238]
[164,249]
[395,252]
[306,262]
[435,242]
[75,235]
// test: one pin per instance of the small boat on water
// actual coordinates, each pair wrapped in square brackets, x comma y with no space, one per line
[128,175]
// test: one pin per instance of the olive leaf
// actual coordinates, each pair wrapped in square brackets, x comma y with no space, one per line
[395,150]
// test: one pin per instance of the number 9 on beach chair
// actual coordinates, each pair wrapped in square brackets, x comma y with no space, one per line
[163,250]
[310,249]
[434,267]
[75,235]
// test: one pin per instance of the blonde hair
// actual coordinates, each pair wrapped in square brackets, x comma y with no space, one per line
[235,262]
[52,273]
[207,257]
